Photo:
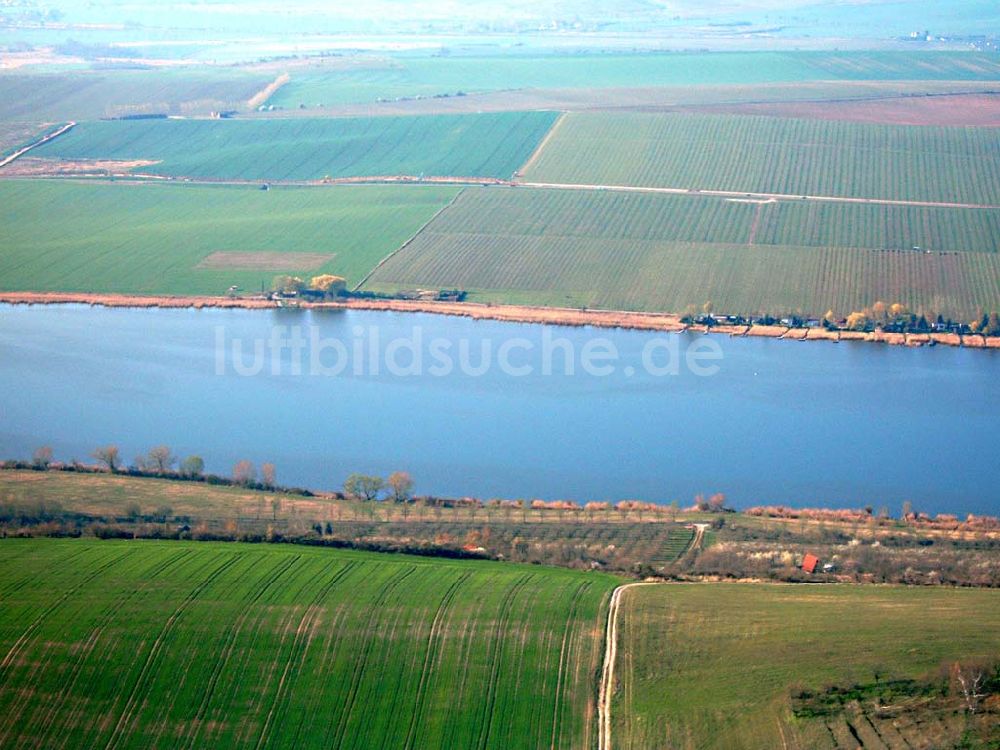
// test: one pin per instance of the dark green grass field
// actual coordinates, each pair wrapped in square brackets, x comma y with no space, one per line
[489,145]
[152,238]
[192,645]
[713,666]
[663,253]
[774,155]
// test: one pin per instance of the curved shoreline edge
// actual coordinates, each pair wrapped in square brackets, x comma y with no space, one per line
[561,316]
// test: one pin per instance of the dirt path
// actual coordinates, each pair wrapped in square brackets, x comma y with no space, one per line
[754,196]
[51,136]
[541,146]
[606,691]
[487,181]
[268,91]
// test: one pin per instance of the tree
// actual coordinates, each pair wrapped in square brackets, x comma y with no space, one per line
[244,472]
[161,459]
[363,487]
[907,510]
[880,313]
[857,321]
[401,485]
[717,503]
[132,510]
[968,680]
[42,457]
[192,466]
[287,284]
[163,512]
[275,507]
[268,475]
[108,455]
[331,286]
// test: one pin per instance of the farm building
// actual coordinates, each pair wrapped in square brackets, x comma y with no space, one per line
[809,563]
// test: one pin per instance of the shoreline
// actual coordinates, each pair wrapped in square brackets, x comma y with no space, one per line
[572,317]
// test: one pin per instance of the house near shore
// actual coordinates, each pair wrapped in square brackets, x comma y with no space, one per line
[810,563]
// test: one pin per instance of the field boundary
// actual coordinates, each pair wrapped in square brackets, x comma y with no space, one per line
[40,142]
[607,687]
[406,244]
[763,197]
[541,145]
[416,180]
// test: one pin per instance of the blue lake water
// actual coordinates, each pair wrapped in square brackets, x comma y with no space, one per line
[778,422]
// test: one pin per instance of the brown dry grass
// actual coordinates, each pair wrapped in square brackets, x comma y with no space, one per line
[266,261]
[35,167]
[856,336]
[768,332]
[821,334]
[974,342]
[268,91]
[967,110]
[948,339]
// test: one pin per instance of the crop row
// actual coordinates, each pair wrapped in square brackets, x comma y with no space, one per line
[232,647]
[85,95]
[488,145]
[774,155]
[600,250]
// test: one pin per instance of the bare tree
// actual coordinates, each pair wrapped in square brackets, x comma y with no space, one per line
[269,475]
[161,459]
[275,507]
[108,455]
[42,457]
[244,472]
[968,680]
[401,485]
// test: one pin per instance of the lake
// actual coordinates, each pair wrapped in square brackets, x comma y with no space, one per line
[493,409]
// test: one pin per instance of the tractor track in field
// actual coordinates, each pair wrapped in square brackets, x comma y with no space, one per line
[606,690]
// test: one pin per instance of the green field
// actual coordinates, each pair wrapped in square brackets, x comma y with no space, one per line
[657,252]
[145,644]
[411,76]
[490,145]
[774,155]
[151,238]
[710,666]
[82,95]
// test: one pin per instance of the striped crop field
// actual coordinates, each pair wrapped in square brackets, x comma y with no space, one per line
[774,155]
[714,667]
[382,79]
[192,239]
[193,645]
[92,94]
[488,145]
[634,251]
